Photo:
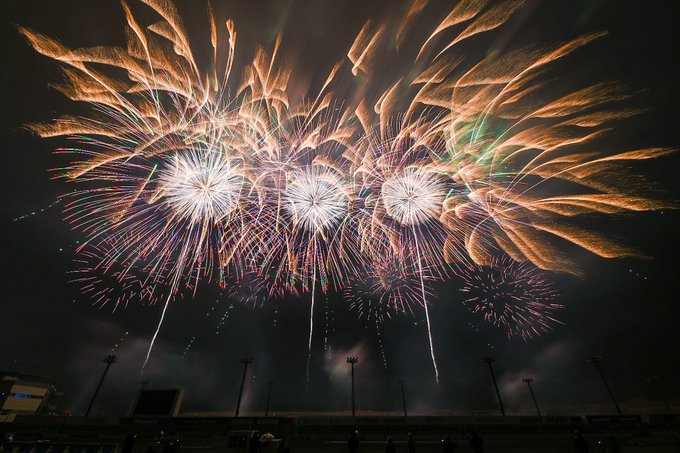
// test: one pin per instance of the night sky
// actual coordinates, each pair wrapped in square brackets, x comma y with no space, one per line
[627,309]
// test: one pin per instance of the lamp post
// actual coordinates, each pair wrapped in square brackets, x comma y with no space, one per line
[489,359]
[402,381]
[352,361]
[245,361]
[269,397]
[108,360]
[528,381]
[596,359]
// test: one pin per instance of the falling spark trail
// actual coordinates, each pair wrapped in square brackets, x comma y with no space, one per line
[173,287]
[427,312]
[158,328]
[32,213]
[311,312]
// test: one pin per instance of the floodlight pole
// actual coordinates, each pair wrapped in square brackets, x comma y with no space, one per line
[245,361]
[654,380]
[402,381]
[269,397]
[352,361]
[596,359]
[489,359]
[108,360]
[528,381]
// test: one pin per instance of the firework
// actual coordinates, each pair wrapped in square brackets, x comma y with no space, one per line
[316,199]
[403,198]
[515,297]
[256,289]
[389,287]
[413,197]
[112,283]
[184,172]
[200,186]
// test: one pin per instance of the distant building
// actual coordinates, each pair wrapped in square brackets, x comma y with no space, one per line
[25,394]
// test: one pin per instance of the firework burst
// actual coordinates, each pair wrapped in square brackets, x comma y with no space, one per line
[201,186]
[389,287]
[414,196]
[316,199]
[515,297]
[111,283]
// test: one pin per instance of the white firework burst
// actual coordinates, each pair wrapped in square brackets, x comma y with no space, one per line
[201,185]
[413,196]
[316,198]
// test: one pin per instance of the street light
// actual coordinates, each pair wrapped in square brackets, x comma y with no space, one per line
[108,360]
[489,359]
[245,361]
[352,361]
[528,381]
[596,359]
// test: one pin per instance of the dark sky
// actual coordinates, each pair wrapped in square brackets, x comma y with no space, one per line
[626,309]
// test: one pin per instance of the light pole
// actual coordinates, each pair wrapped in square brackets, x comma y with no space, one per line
[108,360]
[269,397]
[489,359]
[245,361]
[402,381]
[654,380]
[528,381]
[596,359]
[352,361]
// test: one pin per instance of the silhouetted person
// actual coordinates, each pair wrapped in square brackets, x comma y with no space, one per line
[160,437]
[254,443]
[129,443]
[389,445]
[476,442]
[168,448]
[353,443]
[580,442]
[448,445]
[411,443]
[283,445]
